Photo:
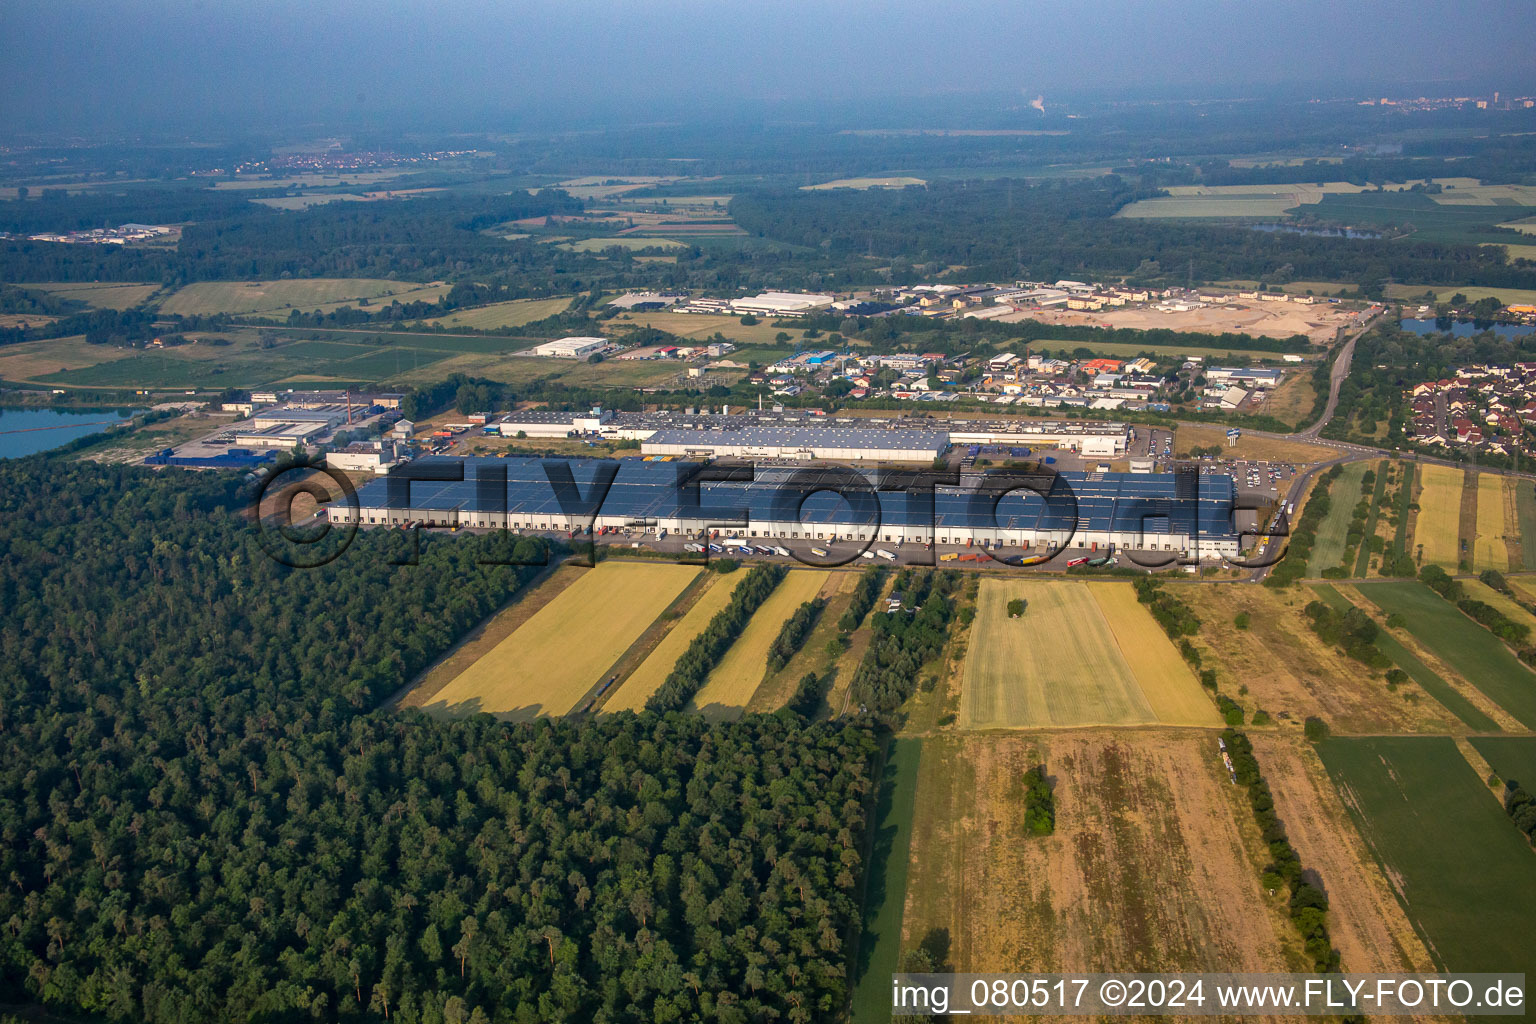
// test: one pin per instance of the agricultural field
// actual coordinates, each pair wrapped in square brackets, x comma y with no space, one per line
[102,296]
[1480,591]
[1475,710]
[419,293]
[1063,664]
[1524,523]
[812,656]
[1250,446]
[1472,292]
[885,882]
[862,183]
[736,678]
[1365,920]
[1476,654]
[1438,528]
[1384,471]
[499,315]
[551,661]
[1290,672]
[1151,866]
[697,326]
[1343,496]
[209,297]
[308,179]
[1463,873]
[1513,757]
[1490,550]
[1251,203]
[632,243]
[1164,676]
[635,690]
[217,360]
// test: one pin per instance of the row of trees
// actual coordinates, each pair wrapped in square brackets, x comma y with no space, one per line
[202,820]
[1352,631]
[704,653]
[1177,618]
[793,633]
[1298,547]
[1307,904]
[904,640]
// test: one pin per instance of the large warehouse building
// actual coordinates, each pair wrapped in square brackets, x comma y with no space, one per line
[1162,512]
[570,348]
[846,444]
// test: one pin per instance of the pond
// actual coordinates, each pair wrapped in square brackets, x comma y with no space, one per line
[1464,328]
[28,431]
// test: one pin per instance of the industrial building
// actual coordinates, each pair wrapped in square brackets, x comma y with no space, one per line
[547,423]
[1176,512]
[570,348]
[282,434]
[1093,440]
[847,444]
[363,457]
[781,303]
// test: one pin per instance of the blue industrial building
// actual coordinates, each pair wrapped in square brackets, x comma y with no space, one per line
[1168,511]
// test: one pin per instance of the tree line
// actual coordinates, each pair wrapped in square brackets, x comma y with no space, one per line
[705,651]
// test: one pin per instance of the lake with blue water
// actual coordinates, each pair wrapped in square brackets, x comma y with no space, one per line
[29,431]
[1465,328]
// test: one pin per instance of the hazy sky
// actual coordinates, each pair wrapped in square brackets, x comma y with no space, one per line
[104,62]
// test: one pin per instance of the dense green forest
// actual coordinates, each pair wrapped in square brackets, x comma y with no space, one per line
[1001,229]
[203,820]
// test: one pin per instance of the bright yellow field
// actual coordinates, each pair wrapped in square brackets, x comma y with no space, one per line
[1057,665]
[1519,252]
[1439,523]
[102,296]
[741,671]
[562,651]
[647,679]
[503,314]
[1489,550]
[209,297]
[1165,678]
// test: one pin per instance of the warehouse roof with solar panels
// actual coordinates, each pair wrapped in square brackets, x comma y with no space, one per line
[1189,503]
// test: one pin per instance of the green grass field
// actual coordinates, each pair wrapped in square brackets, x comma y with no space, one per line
[631,243]
[1427,678]
[1480,657]
[1525,508]
[209,297]
[1465,875]
[1343,496]
[1269,207]
[1513,757]
[102,296]
[1378,495]
[885,884]
[1432,221]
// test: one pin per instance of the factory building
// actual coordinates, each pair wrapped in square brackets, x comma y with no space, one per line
[282,434]
[845,444]
[1175,512]
[570,348]
[1094,440]
[781,303]
[546,423]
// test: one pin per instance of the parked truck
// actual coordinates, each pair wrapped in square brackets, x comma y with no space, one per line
[887,555]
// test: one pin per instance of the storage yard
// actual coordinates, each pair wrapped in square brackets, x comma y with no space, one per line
[550,662]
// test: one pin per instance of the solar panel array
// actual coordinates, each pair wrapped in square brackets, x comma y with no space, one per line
[1183,503]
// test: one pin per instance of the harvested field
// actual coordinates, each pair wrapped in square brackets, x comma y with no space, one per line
[102,296]
[1368,926]
[1467,647]
[1462,871]
[485,637]
[1057,665]
[550,662]
[1290,672]
[733,682]
[645,680]
[502,314]
[210,297]
[1438,528]
[1171,689]
[778,688]
[1250,446]
[1153,864]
